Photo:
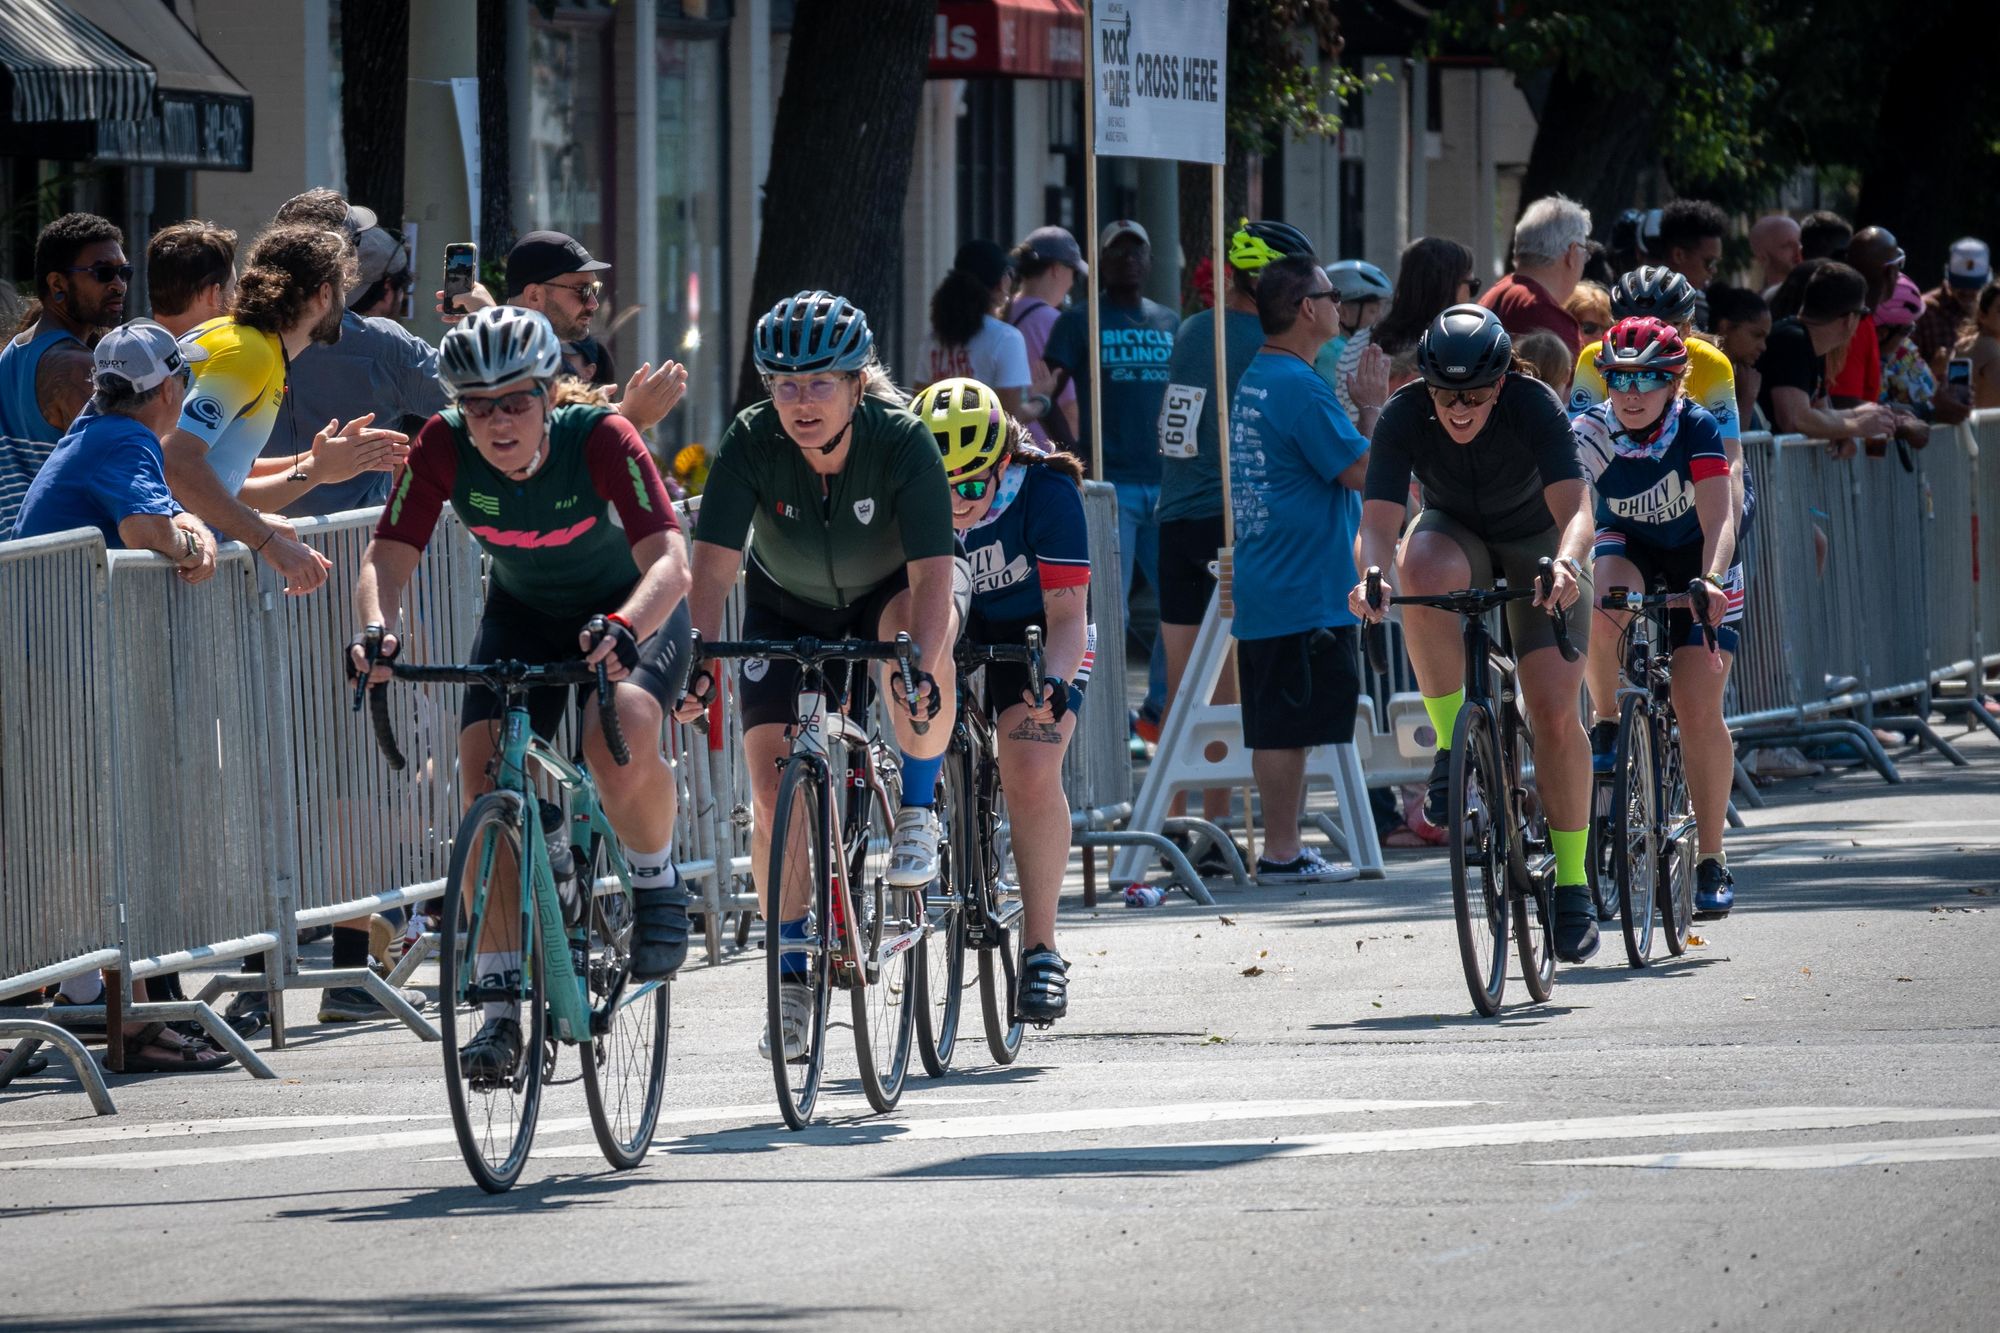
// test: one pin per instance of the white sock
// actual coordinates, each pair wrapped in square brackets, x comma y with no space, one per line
[499,969]
[86,989]
[651,869]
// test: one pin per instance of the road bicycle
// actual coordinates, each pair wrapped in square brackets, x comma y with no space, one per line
[574,930]
[1501,861]
[1647,826]
[830,834]
[972,908]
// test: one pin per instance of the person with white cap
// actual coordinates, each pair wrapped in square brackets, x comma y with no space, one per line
[107,472]
[1952,305]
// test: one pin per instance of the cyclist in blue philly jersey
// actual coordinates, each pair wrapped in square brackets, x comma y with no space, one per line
[1665,513]
[1020,515]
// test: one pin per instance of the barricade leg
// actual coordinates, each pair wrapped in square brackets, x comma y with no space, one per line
[1975,712]
[1746,789]
[32,1033]
[1216,838]
[1183,870]
[1924,734]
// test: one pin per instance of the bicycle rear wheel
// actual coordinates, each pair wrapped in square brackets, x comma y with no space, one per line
[884,932]
[494,1118]
[999,967]
[1477,832]
[1677,846]
[799,836]
[1635,830]
[1532,867]
[625,1061]
[941,964]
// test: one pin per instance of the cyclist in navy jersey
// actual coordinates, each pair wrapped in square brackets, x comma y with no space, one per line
[1019,513]
[1665,513]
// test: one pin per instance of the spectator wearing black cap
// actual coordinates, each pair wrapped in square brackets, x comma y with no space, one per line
[1690,243]
[1792,395]
[1046,264]
[968,340]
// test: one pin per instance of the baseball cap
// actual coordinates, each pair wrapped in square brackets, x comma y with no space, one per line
[144,354]
[1971,264]
[381,254]
[359,219]
[1057,245]
[541,255]
[1122,227]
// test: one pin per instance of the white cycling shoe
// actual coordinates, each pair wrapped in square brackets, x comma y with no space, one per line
[795,1007]
[913,856]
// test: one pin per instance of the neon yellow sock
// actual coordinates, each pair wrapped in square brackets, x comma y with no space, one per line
[1572,855]
[1444,714]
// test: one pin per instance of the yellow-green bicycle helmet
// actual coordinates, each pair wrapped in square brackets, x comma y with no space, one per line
[1257,244]
[966,418]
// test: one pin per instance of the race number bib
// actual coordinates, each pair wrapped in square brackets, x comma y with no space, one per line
[1180,410]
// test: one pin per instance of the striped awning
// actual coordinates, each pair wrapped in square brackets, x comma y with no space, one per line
[61,67]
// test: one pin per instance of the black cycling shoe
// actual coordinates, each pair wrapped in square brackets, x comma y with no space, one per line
[491,1056]
[1576,923]
[659,930]
[1437,790]
[1044,995]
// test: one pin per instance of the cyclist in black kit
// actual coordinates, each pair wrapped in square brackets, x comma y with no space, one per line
[1502,488]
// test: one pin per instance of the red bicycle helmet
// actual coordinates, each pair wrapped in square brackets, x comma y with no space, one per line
[1641,343]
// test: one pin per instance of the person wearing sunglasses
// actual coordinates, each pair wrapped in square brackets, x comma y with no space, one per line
[846,495]
[1666,517]
[562,495]
[81,276]
[1019,512]
[1503,488]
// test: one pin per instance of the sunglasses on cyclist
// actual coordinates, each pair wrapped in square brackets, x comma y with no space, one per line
[1479,397]
[811,391]
[1637,381]
[516,404]
[589,291]
[972,488]
[104,271]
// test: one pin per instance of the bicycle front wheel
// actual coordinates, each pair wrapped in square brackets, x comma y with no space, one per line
[1477,832]
[625,1060]
[883,930]
[1677,846]
[1635,826]
[799,835]
[941,966]
[999,968]
[492,1111]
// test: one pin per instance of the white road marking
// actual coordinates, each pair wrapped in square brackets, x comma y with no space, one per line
[1811,1156]
[30,1136]
[259,1152]
[1531,1131]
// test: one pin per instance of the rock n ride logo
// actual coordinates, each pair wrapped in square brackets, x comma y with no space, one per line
[1114,60]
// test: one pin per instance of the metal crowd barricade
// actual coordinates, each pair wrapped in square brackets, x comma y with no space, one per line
[1948,478]
[58,907]
[1980,438]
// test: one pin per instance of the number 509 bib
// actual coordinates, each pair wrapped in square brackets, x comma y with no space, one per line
[1180,410]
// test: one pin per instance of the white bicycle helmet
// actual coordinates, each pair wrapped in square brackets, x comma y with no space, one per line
[499,345]
[1358,280]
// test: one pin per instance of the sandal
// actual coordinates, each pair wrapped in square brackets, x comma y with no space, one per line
[158,1049]
[1403,836]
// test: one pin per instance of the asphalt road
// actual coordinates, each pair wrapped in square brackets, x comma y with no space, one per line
[1278,1114]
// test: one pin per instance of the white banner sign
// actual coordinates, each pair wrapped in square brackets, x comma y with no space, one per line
[1161,68]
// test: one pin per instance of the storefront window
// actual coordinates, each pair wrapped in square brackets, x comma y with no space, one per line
[568,130]
[693,259]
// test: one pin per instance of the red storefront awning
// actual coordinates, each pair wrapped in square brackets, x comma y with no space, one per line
[1012,39]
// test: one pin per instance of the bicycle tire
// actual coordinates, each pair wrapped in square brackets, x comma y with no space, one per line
[941,962]
[1635,829]
[1478,842]
[885,1005]
[1531,890]
[999,968]
[801,791]
[492,827]
[1677,847]
[625,1061]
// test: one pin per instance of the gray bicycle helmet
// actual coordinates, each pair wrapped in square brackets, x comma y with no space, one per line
[1358,280]
[812,331]
[1652,290]
[498,345]
[1464,348]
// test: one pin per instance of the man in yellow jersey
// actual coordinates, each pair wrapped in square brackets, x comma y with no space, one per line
[288,296]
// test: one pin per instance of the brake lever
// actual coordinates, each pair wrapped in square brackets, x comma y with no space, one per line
[905,651]
[371,653]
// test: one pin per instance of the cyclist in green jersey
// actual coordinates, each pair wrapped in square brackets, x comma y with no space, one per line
[845,493]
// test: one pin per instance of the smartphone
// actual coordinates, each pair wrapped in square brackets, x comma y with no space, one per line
[461,270]
[1958,371]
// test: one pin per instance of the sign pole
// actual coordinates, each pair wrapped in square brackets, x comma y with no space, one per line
[1094,351]
[1225,559]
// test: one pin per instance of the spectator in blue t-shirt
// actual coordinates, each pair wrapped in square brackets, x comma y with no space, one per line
[1136,343]
[107,472]
[1296,465]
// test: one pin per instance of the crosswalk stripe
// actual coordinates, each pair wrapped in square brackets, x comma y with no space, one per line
[32,1136]
[258,1152]
[1810,1156]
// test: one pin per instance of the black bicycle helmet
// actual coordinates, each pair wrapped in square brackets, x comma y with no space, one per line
[1652,290]
[1464,348]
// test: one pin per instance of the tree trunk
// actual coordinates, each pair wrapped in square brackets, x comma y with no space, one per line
[496,192]
[842,149]
[1593,143]
[1196,242]
[374,86]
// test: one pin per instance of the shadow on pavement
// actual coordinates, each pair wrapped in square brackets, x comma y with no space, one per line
[1509,1019]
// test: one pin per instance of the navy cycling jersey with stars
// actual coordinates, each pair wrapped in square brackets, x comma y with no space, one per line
[1033,538]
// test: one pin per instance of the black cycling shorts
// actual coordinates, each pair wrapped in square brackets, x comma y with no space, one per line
[1300,690]
[1007,682]
[510,628]
[1187,547]
[767,690]
[1672,568]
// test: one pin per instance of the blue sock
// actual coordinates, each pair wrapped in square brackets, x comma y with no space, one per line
[920,780]
[792,962]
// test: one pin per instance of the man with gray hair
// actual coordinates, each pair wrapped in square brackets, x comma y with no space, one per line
[1551,246]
